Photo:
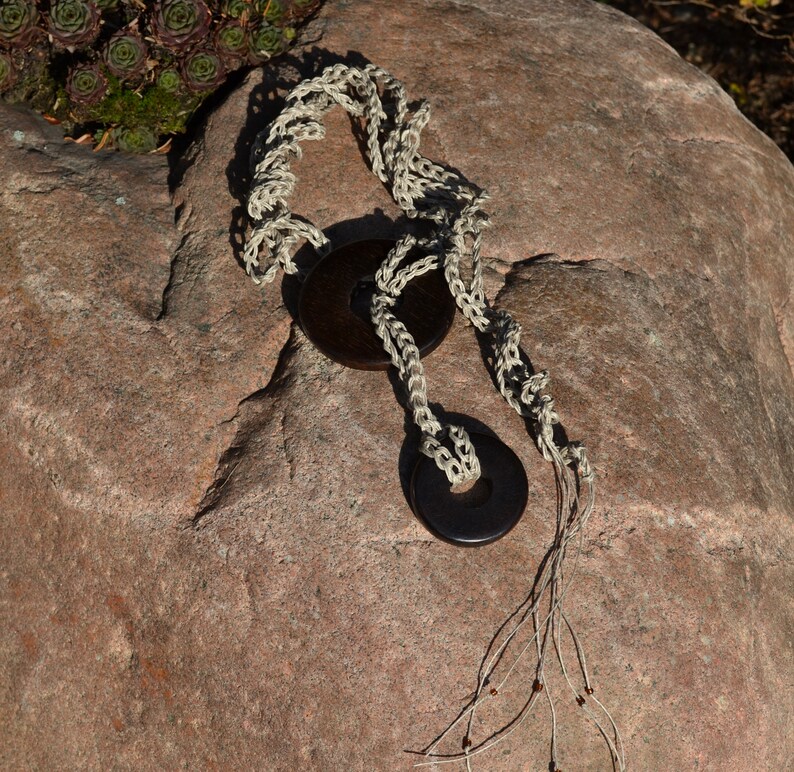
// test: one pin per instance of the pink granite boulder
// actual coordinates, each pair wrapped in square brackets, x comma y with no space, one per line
[208,561]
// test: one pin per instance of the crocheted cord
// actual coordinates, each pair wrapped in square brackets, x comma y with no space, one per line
[452,207]
[426,191]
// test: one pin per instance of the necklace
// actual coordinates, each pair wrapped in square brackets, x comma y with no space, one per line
[374,296]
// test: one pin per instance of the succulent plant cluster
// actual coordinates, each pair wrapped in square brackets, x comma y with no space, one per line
[133,72]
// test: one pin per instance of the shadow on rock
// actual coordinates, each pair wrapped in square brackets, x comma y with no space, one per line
[265,102]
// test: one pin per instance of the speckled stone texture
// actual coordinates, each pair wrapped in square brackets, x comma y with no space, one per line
[206,556]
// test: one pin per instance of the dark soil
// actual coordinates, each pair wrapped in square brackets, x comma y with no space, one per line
[747,46]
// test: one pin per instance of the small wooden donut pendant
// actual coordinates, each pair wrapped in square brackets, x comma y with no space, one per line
[335,299]
[484,513]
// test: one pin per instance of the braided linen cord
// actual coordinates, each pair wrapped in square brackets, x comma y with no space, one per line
[453,208]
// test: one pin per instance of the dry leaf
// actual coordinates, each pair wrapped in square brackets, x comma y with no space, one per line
[102,142]
[164,148]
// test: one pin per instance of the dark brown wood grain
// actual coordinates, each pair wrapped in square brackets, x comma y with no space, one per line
[484,513]
[334,306]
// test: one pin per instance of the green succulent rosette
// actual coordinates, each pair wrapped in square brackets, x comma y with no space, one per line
[169,81]
[130,70]
[203,70]
[86,84]
[178,24]
[8,73]
[17,22]
[231,41]
[73,23]
[236,8]
[125,55]
[264,41]
[271,10]
[140,139]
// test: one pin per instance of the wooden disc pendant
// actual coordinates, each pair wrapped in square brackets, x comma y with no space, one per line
[335,300]
[485,512]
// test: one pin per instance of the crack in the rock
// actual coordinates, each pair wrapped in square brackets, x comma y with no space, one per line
[221,319]
[597,264]
[188,265]
[779,315]
[606,539]
[716,141]
[35,191]
[551,258]
[284,442]
[232,457]
[176,262]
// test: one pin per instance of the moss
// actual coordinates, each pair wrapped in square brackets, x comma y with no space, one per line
[34,85]
[154,107]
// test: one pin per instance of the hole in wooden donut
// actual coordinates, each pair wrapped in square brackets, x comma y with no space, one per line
[361,298]
[472,494]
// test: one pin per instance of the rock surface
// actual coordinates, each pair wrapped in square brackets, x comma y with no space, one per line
[207,558]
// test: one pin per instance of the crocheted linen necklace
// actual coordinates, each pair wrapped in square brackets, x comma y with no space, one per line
[451,207]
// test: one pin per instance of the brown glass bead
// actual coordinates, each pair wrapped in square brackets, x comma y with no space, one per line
[588,690]
[466,742]
[580,700]
[537,686]
[494,691]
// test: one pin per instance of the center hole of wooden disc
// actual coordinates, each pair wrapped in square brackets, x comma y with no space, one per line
[361,298]
[472,494]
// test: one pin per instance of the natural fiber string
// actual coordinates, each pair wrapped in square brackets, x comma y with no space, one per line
[452,207]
